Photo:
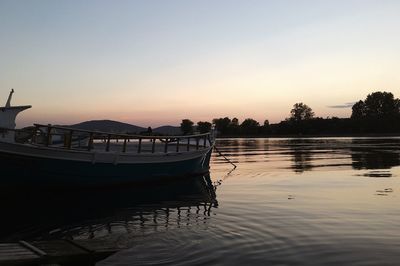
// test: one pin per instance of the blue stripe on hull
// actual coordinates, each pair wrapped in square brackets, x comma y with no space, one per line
[22,170]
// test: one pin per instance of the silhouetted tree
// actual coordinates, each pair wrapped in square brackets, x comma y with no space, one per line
[148,132]
[301,112]
[358,110]
[266,129]
[203,127]
[381,104]
[379,112]
[234,128]
[187,126]
[222,124]
[249,126]
[235,121]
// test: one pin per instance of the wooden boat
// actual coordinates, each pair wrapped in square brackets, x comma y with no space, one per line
[52,236]
[135,206]
[63,156]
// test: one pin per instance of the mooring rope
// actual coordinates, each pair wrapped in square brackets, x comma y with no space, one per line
[229,161]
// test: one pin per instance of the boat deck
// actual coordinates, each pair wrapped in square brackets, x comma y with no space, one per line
[67,138]
[145,147]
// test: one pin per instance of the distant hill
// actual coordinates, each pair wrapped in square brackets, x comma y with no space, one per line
[109,126]
[119,127]
[168,130]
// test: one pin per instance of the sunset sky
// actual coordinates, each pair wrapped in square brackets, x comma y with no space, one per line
[152,63]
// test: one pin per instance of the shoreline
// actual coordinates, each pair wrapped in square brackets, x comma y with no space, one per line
[369,135]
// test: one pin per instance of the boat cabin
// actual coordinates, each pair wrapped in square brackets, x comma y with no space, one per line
[8,114]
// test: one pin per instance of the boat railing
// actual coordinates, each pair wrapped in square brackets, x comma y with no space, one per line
[72,138]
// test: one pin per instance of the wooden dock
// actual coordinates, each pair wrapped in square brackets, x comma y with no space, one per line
[56,252]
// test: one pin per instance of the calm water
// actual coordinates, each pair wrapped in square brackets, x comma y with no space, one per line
[321,201]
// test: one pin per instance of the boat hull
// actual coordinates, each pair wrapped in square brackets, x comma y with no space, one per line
[22,169]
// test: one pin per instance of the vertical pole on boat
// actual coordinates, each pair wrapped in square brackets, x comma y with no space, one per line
[205,141]
[166,146]
[108,142]
[139,150]
[209,140]
[188,144]
[34,136]
[124,146]
[177,145]
[48,139]
[69,141]
[197,143]
[65,140]
[8,103]
[153,146]
[90,144]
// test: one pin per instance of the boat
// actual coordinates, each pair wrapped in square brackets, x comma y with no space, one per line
[50,155]
[99,226]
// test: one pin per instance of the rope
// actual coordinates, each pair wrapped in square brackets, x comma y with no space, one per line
[229,161]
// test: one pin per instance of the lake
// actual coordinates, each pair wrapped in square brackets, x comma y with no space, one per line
[310,201]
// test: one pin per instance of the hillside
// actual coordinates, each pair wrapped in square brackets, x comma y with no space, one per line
[109,126]
[168,130]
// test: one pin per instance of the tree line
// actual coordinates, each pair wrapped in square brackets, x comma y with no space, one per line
[378,113]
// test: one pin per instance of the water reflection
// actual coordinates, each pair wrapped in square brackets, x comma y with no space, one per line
[375,154]
[384,192]
[302,155]
[244,148]
[91,214]
[306,154]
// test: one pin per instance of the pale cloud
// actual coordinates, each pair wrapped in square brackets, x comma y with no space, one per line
[345,105]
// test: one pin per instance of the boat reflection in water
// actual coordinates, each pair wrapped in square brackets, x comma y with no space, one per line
[106,214]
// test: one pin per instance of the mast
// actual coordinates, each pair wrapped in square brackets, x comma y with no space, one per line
[8,104]
[9,113]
